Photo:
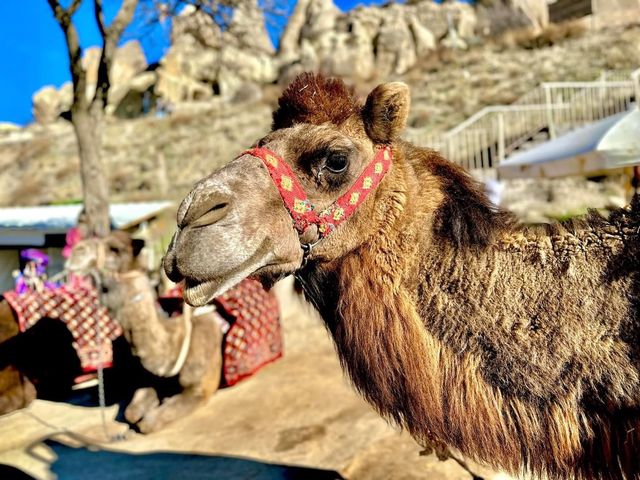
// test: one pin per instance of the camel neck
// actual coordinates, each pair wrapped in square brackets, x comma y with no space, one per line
[156,340]
[430,331]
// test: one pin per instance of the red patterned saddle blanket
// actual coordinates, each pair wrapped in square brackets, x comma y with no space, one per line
[79,308]
[254,338]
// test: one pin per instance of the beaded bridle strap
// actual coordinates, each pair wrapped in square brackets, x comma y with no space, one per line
[295,199]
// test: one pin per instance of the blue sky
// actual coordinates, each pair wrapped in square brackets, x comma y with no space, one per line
[33,52]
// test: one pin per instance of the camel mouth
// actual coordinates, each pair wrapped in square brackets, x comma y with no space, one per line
[77,268]
[198,294]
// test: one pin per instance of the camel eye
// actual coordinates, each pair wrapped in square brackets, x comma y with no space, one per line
[337,162]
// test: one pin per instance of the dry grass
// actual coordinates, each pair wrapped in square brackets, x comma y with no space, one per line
[527,39]
[68,169]
[38,146]
[27,192]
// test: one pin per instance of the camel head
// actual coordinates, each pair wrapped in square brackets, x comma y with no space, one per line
[115,253]
[235,224]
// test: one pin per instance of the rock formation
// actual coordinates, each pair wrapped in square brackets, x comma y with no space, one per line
[206,63]
[362,44]
[49,102]
[368,42]
[129,64]
[204,60]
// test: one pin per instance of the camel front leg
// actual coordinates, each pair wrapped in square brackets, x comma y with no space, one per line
[15,391]
[144,400]
[171,410]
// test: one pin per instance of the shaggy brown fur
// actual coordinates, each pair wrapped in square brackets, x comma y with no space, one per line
[518,347]
[313,99]
[533,373]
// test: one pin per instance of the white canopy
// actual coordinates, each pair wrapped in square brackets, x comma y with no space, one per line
[622,142]
[580,152]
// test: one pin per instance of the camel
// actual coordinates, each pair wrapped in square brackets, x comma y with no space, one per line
[518,347]
[187,347]
[52,340]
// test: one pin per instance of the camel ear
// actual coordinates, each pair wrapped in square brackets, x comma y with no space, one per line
[386,111]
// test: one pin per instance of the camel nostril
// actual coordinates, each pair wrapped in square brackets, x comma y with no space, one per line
[203,207]
[220,206]
[183,210]
[215,213]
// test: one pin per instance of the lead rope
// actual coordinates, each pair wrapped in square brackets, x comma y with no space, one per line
[102,402]
[186,341]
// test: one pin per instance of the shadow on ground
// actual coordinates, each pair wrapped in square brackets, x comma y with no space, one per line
[7,472]
[81,463]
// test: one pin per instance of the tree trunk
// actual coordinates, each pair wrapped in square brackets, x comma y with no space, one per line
[87,125]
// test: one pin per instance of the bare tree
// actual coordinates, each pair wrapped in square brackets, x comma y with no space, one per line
[87,114]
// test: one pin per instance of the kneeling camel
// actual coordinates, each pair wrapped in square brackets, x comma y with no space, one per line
[187,347]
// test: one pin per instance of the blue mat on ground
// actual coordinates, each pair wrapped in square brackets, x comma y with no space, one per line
[82,463]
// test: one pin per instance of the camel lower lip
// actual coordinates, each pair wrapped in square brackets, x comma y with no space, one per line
[198,294]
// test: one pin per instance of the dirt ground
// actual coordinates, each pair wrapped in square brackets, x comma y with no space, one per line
[296,419]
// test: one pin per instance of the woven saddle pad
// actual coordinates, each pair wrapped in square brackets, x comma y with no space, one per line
[80,310]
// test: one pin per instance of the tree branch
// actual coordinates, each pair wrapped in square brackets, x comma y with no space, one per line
[73,7]
[97,9]
[122,20]
[110,37]
[78,74]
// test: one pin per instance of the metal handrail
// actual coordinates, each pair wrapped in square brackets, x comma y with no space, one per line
[594,83]
[488,137]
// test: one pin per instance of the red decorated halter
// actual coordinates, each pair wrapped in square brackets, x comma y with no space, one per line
[300,207]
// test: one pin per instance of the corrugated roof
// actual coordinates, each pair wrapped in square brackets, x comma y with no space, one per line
[60,218]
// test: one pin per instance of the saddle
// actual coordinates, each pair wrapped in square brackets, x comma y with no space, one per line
[253,337]
[80,310]
[252,334]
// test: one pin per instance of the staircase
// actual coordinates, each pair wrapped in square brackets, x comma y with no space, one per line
[490,136]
